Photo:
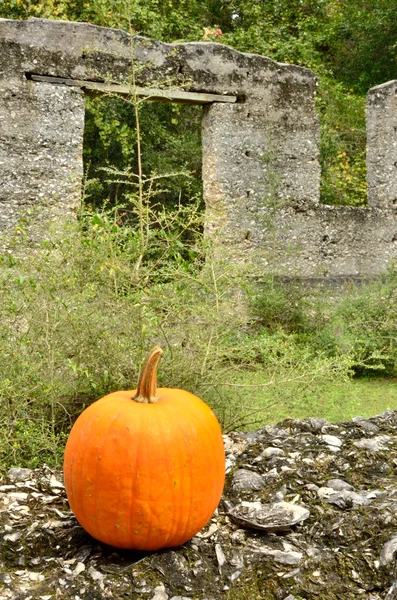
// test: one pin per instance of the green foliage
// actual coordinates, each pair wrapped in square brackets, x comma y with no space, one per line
[343,144]
[278,305]
[359,324]
[76,321]
[78,317]
[287,31]
[364,325]
[170,140]
[362,49]
[350,44]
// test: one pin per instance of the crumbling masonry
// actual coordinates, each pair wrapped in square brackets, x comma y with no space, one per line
[260,144]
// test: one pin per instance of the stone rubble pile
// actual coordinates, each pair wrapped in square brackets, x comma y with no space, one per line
[309,511]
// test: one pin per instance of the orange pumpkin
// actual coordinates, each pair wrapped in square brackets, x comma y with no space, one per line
[145,469]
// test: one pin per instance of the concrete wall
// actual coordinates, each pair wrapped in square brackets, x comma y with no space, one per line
[267,211]
[260,156]
[382,145]
[41,135]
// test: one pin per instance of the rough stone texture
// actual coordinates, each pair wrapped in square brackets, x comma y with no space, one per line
[313,242]
[323,525]
[83,51]
[257,156]
[272,133]
[329,242]
[260,156]
[266,211]
[382,145]
[40,148]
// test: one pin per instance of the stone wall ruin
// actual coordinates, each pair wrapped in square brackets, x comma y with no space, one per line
[261,172]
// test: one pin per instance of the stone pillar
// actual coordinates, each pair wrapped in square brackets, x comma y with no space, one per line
[382,145]
[41,142]
[258,157]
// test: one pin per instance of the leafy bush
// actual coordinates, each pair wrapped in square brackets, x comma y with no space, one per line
[78,316]
[357,323]
[170,142]
[276,305]
[364,326]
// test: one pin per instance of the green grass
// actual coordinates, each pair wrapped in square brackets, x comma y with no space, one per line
[333,400]
[359,397]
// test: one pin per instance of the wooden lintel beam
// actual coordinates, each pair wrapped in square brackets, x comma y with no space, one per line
[152,94]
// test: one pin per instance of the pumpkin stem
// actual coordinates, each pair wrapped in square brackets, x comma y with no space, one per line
[147,384]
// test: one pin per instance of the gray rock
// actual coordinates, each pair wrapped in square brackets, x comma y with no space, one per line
[243,480]
[160,593]
[312,487]
[375,444]
[331,440]
[237,560]
[380,468]
[279,516]
[334,448]
[13,537]
[392,592]
[271,451]
[316,424]
[366,424]
[344,498]
[95,574]
[19,474]
[284,557]
[388,550]
[220,555]
[339,484]
[230,463]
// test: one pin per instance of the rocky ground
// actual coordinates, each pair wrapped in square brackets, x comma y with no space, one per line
[309,512]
